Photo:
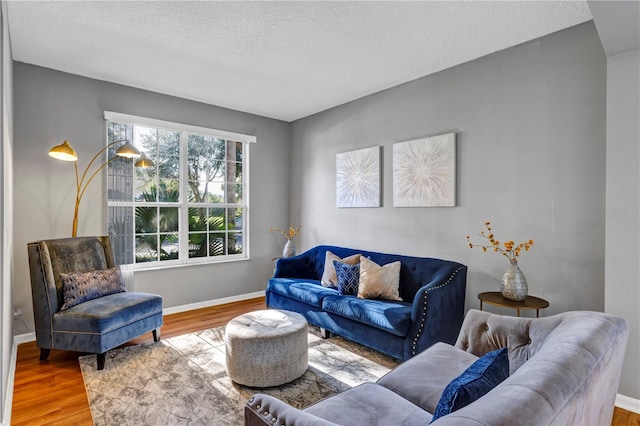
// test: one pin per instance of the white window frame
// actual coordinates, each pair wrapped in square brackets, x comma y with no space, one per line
[183,204]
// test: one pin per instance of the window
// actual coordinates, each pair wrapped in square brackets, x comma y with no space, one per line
[190,206]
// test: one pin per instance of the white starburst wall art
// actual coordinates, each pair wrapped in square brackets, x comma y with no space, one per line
[424,172]
[358,178]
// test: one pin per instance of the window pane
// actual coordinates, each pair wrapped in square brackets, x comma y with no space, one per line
[235,243]
[169,246]
[197,245]
[168,219]
[216,219]
[146,248]
[197,219]
[206,192]
[217,244]
[146,220]
[236,176]
[121,220]
[235,193]
[169,190]
[145,187]
[238,148]
[204,165]
[235,219]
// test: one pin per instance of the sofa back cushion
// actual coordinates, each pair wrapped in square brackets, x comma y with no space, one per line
[415,272]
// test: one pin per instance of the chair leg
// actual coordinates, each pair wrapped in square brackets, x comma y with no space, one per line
[101,359]
[156,334]
[325,333]
[44,354]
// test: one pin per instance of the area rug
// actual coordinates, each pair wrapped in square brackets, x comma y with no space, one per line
[182,380]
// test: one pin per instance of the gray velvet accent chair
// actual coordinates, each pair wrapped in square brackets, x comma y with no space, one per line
[92,326]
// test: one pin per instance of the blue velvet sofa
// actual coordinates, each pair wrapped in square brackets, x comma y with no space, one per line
[431,309]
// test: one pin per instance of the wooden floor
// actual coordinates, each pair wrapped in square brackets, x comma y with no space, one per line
[52,392]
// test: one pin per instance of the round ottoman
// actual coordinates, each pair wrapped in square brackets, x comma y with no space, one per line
[266,348]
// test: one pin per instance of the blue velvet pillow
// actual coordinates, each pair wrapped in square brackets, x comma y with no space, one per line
[483,375]
[348,278]
[78,288]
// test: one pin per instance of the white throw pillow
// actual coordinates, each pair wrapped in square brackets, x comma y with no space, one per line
[329,276]
[377,281]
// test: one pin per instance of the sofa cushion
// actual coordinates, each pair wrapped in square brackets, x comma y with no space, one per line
[78,288]
[307,291]
[348,278]
[436,366]
[369,404]
[483,375]
[379,281]
[329,276]
[394,317]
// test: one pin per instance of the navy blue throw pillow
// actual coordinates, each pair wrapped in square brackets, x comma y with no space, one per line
[348,278]
[477,380]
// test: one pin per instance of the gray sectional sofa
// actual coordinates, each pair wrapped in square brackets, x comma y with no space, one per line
[564,370]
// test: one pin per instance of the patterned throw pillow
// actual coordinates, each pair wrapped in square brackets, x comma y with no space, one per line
[78,288]
[329,277]
[483,375]
[348,278]
[379,281]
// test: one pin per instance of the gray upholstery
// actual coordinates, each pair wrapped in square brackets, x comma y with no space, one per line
[426,393]
[94,326]
[266,348]
[565,371]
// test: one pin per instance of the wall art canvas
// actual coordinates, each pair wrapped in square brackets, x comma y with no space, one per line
[358,178]
[424,172]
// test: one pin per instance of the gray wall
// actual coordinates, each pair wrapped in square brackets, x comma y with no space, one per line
[622,278]
[530,123]
[618,25]
[52,106]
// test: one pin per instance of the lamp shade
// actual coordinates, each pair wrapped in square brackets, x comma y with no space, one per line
[128,151]
[63,152]
[144,161]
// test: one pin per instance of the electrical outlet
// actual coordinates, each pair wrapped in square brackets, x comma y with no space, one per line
[17,312]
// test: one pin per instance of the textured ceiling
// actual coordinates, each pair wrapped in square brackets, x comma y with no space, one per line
[285,60]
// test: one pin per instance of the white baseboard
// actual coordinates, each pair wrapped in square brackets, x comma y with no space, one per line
[24,338]
[209,303]
[628,403]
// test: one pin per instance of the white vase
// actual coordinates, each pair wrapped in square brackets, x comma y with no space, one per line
[289,249]
[514,284]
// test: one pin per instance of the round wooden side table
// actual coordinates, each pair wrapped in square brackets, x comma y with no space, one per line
[497,299]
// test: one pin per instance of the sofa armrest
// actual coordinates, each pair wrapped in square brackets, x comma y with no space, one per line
[437,311]
[263,410]
[300,266]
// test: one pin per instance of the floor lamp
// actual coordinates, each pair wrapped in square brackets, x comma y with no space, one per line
[65,152]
